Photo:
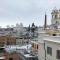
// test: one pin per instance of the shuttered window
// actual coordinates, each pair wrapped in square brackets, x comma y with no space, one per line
[58,54]
[49,50]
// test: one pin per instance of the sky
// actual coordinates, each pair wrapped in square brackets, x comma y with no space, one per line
[26,11]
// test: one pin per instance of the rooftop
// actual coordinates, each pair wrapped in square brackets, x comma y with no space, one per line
[12,48]
[55,39]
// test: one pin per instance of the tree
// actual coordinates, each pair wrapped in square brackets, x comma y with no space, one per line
[33,28]
[28,29]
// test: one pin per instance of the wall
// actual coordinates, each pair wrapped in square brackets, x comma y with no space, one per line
[7,40]
[41,53]
[54,46]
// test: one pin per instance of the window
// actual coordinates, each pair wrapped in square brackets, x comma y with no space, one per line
[55,16]
[52,16]
[56,22]
[58,54]
[49,50]
[37,46]
[54,34]
[8,43]
[33,45]
[10,58]
[1,50]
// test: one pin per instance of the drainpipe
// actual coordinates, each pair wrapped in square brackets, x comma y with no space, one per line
[45,50]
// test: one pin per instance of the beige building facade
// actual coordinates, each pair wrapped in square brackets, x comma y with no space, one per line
[7,40]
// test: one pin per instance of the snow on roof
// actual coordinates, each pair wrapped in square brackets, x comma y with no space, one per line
[25,47]
[3,57]
[28,55]
[20,49]
[12,48]
[55,39]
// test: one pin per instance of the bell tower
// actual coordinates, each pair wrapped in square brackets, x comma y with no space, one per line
[55,16]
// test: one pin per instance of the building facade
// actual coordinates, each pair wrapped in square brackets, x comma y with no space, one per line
[4,55]
[50,48]
[7,40]
[49,39]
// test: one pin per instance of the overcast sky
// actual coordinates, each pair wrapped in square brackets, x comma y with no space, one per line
[26,11]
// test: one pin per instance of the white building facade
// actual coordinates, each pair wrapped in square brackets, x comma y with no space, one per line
[49,49]
[49,43]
